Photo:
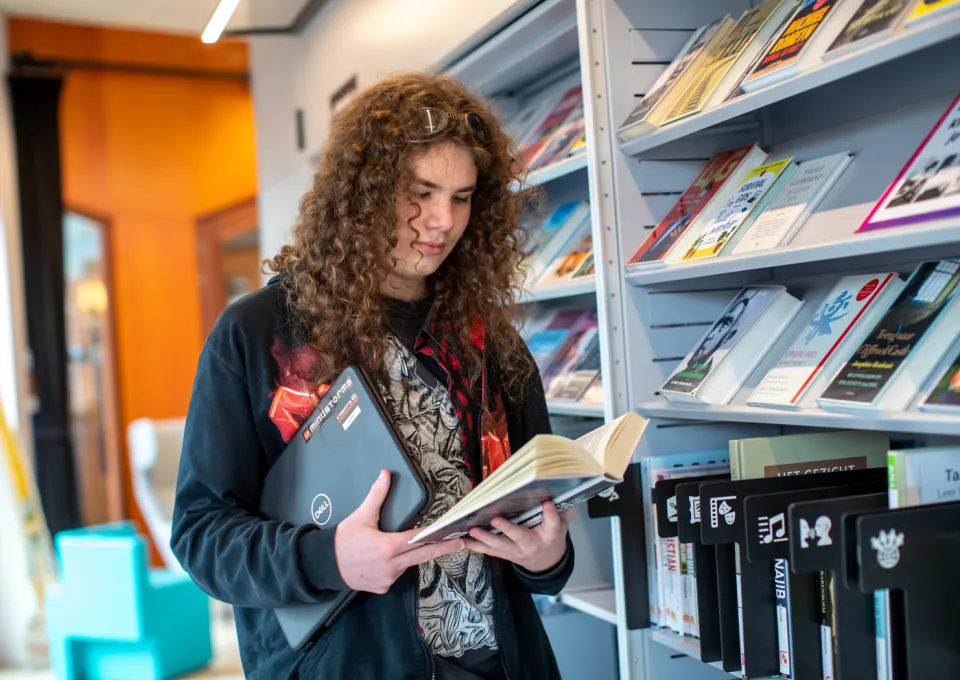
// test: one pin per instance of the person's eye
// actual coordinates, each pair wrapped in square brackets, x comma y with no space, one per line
[461,199]
[423,195]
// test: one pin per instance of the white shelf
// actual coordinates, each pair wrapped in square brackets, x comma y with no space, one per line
[585,286]
[599,602]
[835,255]
[682,645]
[909,41]
[884,421]
[574,408]
[557,170]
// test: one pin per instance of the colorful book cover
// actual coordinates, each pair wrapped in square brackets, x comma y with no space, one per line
[587,268]
[793,203]
[701,87]
[569,104]
[945,395]
[688,207]
[928,290]
[787,382]
[872,20]
[725,332]
[925,10]
[574,382]
[691,51]
[559,145]
[928,187]
[732,216]
[786,50]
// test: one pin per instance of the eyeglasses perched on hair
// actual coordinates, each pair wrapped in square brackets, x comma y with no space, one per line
[433,121]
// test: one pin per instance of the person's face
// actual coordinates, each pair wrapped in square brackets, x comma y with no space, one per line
[714,337]
[445,177]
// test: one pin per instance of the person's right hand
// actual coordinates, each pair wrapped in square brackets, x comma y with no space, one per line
[371,560]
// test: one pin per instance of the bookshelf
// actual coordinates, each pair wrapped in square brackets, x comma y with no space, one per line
[878,103]
[565,408]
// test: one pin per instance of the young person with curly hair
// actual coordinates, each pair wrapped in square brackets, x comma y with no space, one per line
[404,260]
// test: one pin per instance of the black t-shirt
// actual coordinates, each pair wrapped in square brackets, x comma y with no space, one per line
[406,320]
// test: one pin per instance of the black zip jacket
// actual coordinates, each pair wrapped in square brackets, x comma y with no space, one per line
[239,557]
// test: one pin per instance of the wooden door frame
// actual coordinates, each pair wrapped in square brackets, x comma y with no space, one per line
[212,230]
[116,473]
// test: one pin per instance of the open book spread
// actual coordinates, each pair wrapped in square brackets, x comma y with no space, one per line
[548,467]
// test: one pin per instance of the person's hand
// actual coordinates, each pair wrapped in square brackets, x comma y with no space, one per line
[537,549]
[371,560]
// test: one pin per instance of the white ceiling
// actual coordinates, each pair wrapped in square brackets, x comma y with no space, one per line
[172,16]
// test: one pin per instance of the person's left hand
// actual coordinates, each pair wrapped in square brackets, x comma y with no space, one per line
[537,549]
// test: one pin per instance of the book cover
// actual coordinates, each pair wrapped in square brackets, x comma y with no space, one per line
[926,10]
[750,194]
[945,395]
[559,145]
[873,20]
[572,349]
[685,211]
[787,382]
[702,86]
[566,265]
[587,267]
[797,34]
[746,307]
[574,382]
[552,236]
[793,202]
[929,289]
[594,391]
[928,187]
[688,55]
[566,108]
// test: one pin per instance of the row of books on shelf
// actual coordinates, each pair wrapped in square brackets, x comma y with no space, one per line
[742,202]
[756,553]
[550,128]
[875,342]
[565,344]
[559,247]
[767,44]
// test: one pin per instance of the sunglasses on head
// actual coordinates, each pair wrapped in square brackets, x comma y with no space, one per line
[431,122]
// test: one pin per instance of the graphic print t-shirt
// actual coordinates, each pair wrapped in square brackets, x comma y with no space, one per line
[455,609]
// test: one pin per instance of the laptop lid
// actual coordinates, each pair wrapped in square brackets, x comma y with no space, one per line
[326,472]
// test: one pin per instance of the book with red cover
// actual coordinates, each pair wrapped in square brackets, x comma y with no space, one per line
[659,241]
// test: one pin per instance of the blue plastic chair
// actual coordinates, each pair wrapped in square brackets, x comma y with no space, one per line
[111,617]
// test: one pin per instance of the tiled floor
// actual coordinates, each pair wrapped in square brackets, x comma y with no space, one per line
[225,665]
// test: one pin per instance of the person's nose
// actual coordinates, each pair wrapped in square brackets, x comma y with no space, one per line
[440,216]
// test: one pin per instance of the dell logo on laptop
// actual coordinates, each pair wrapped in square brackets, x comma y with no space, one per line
[321,510]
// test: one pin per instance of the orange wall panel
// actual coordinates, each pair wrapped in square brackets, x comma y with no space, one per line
[153,153]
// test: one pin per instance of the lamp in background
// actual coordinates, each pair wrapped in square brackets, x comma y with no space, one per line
[219,20]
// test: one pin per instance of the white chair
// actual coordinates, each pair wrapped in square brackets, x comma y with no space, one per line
[154,460]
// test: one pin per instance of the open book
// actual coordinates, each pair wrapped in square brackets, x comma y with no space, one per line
[548,467]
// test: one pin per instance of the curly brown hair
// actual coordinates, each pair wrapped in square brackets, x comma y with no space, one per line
[346,231]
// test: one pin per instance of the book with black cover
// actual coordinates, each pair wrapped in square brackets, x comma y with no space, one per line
[326,472]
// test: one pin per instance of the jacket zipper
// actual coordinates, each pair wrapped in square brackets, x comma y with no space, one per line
[416,622]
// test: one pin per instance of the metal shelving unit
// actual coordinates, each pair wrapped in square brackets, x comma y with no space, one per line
[878,103]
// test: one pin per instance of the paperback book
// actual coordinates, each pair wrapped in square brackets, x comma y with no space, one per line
[642,119]
[928,10]
[792,204]
[839,325]
[944,396]
[873,21]
[781,61]
[730,59]
[899,353]
[548,467]
[749,200]
[713,186]
[928,188]
[549,239]
[574,382]
[729,351]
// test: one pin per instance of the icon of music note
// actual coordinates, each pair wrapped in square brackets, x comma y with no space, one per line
[770,532]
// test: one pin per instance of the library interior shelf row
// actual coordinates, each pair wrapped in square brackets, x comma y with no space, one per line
[750,237]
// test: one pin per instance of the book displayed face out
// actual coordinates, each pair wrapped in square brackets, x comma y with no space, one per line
[932,286]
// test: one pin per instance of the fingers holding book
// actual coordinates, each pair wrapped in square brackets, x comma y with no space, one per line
[536,549]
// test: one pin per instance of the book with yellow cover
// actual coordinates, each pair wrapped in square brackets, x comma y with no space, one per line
[732,57]
[927,10]
[741,209]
